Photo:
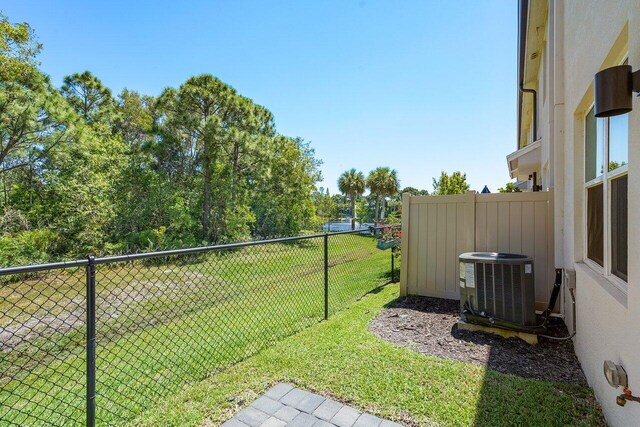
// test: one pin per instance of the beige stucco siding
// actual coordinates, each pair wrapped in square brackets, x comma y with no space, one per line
[582,37]
[593,34]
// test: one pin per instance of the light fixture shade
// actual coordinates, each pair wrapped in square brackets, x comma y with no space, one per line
[613,88]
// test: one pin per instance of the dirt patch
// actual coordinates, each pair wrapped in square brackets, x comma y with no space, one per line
[428,326]
[58,317]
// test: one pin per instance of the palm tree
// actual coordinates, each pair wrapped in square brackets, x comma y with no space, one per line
[382,182]
[374,184]
[391,187]
[351,184]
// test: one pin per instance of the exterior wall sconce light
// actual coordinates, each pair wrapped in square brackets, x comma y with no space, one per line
[613,89]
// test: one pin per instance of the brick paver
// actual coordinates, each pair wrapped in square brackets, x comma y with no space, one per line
[284,405]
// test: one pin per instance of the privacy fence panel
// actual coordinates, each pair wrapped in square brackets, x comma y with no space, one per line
[438,229]
[519,223]
[163,320]
[435,231]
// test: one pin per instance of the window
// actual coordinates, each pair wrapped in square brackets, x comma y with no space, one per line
[606,143]
[619,227]
[595,224]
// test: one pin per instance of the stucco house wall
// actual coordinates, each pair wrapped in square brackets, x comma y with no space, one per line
[596,34]
[581,38]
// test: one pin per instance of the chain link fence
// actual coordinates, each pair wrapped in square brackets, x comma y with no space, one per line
[102,340]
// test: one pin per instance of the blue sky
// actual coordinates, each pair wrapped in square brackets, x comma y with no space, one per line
[419,86]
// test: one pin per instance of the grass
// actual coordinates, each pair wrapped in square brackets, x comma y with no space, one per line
[162,325]
[342,359]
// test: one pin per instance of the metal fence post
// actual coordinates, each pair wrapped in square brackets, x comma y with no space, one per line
[326,276]
[91,342]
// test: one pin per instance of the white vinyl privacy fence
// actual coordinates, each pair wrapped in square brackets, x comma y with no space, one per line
[437,229]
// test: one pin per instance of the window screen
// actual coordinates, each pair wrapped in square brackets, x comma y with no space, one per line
[619,217]
[595,224]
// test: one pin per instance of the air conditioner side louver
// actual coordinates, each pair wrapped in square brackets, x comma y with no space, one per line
[498,285]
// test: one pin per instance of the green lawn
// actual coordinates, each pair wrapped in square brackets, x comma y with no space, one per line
[340,358]
[160,326]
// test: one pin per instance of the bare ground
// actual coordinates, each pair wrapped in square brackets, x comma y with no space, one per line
[428,326]
[59,317]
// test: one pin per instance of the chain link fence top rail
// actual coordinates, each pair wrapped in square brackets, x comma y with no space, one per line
[164,319]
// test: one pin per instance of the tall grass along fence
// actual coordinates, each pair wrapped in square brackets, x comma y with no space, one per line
[105,339]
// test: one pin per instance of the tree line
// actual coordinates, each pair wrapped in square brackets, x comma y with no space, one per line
[384,200]
[85,171]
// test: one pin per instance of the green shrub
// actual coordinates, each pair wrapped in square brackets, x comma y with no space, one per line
[27,247]
[158,239]
[13,221]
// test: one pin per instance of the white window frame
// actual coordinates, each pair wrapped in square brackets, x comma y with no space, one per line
[604,179]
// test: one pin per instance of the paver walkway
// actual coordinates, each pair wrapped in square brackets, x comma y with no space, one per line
[284,405]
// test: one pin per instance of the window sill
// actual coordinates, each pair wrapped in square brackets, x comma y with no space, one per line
[613,286]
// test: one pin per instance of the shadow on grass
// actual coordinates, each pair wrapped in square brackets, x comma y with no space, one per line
[543,385]
[508,400]
[389,279]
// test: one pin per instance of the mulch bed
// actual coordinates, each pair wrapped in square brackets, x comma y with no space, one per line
[428,326]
